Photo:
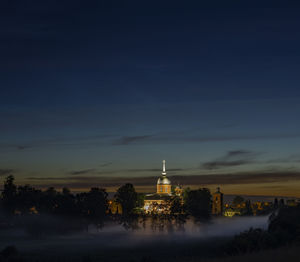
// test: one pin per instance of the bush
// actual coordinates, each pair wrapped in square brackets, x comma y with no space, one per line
[284,228]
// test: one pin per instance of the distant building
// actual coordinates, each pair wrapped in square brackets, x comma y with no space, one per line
[293,202]
[230,212]
[262,207]
[114,207]
[217,203]
[178,191]
[159,202]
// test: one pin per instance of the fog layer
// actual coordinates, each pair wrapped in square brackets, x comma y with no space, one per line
[143,233]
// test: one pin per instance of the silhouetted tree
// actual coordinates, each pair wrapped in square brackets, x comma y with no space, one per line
[276,203]
[140,199]
[28,197]
[127,197]
[283,229]
[248,209]
[49,201]
[250,241]
[281,202]
[66,203]
[176,205]
[96,203]
[9,195]
[66,191]
[93,204]
[237,201]
[198,203]
[286,224]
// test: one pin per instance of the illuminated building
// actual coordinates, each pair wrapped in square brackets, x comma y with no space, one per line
[178,191]
[230,212]
[163,183]
[293,202]
[217,203]
[159,202]
[114,207]
[262,208]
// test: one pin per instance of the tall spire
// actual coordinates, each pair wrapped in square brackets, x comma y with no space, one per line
[164,168]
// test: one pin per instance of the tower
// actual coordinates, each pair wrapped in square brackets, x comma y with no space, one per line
[163,183]
[217,204]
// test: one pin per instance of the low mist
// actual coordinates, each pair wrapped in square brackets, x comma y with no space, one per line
[142,233]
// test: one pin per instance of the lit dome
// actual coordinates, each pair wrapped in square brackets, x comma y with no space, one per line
[163,180]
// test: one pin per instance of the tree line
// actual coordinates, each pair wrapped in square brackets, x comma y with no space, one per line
[25,199]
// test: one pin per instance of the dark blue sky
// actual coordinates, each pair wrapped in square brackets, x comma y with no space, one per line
[110,88]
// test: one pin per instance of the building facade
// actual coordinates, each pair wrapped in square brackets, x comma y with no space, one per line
[217,203]
[114,207]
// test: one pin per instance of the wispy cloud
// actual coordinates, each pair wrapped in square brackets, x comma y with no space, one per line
[159,138]
[59,142]
[116,172]
[239,178]
[294,158]
[258,177]
[82,172]
[48,178]
[105,164]
[125,140]
[232,158]
[166,138]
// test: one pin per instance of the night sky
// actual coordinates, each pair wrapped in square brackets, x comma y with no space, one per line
[98,93]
